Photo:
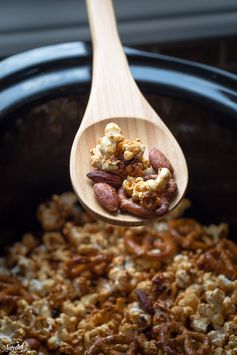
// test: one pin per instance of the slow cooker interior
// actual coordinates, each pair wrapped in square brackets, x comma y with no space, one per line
[35,150]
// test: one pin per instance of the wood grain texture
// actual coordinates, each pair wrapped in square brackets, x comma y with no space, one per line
[115,97]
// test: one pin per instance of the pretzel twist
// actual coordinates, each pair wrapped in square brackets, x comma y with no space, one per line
[173,335]
[80,263]
[154,246]
[11,291]
[188,233]
[128,205]
[105,345]
[222,259]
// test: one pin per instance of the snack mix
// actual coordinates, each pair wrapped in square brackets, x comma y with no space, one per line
[125,180]
[87,287]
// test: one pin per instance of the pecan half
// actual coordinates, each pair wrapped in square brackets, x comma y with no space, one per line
[107,177]
[106,196]
[33,343]
[145,301]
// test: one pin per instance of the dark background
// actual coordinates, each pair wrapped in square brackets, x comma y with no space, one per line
[204,31]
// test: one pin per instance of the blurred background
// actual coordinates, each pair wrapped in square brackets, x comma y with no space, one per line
[204,31]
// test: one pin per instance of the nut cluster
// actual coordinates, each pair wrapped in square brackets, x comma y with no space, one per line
[86,287]
[125,180]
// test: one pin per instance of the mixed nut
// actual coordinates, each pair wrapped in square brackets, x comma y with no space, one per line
[124,180]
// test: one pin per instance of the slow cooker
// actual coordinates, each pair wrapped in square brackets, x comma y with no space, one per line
[43,95]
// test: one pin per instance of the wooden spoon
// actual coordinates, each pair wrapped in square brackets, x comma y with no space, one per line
[115,97]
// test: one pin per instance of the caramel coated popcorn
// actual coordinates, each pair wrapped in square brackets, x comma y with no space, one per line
[113,151]
[146,192]
[86,287]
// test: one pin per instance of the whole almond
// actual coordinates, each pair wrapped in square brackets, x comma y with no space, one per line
[107,196]
[106,177]
[158,160]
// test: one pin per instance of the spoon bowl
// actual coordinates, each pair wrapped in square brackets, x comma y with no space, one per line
[115,97]
[151,135]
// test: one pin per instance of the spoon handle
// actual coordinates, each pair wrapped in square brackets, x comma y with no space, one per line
[114,92]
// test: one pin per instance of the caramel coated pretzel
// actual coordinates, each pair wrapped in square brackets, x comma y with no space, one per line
[80,263]
[222,259]
[127,205]
[11,291]
[149,244]
[173,334]
[103,345]
[188,233]
[200,338]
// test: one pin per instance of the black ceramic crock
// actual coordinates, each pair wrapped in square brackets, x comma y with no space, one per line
[43,95]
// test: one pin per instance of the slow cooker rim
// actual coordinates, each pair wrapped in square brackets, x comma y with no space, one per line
[153,72]
[17,63]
